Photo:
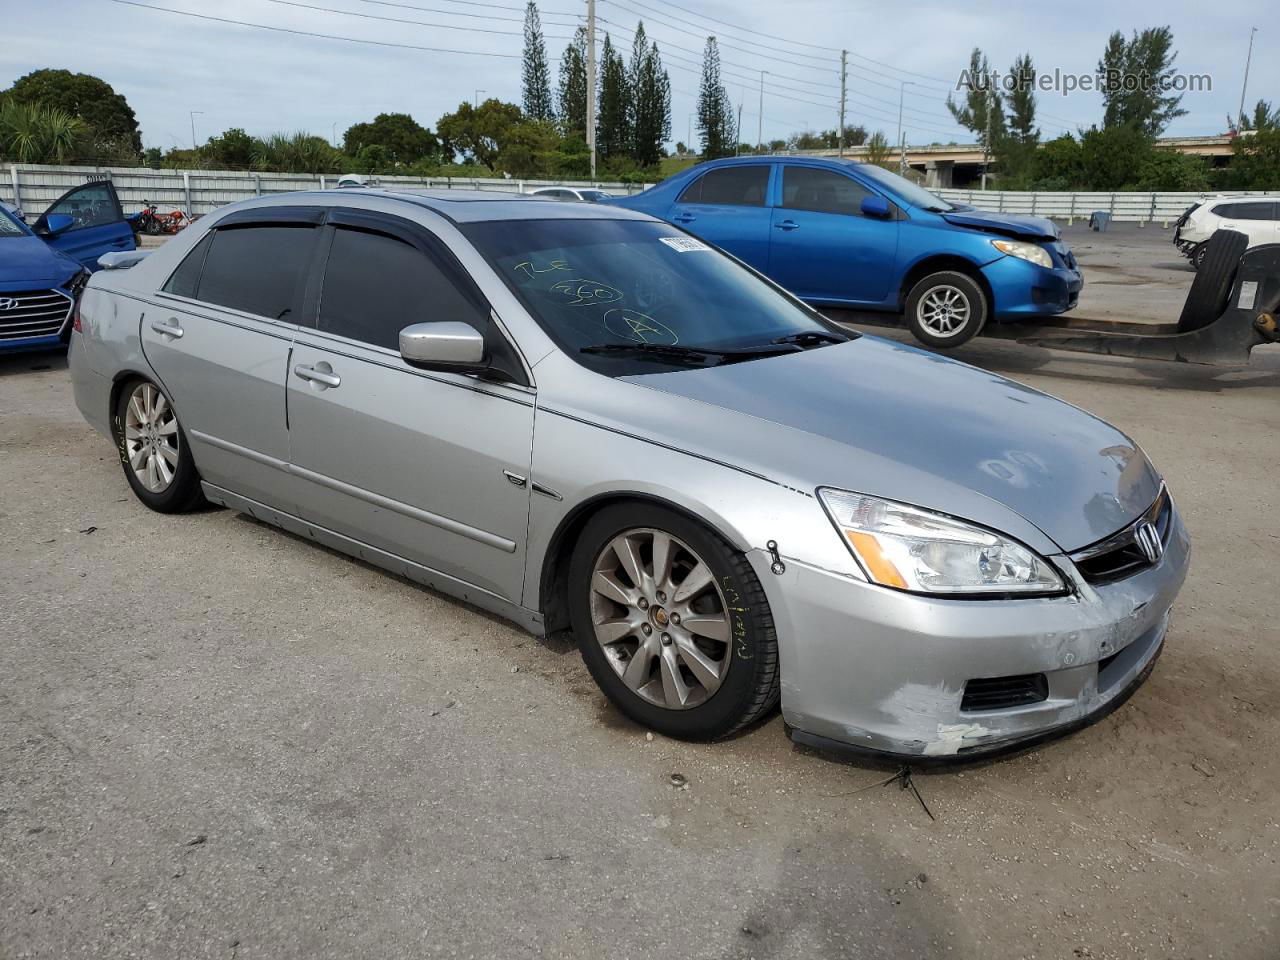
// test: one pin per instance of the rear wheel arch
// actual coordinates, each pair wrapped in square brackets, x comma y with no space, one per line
[553,586]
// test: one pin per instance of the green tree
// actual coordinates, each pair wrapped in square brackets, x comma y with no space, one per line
[981,110]
[878,149]
[613,133]
[1264,118]
[715,111]
[404,140]
[530,149]
[39,133]
[298,152]
[537,77]
[650,101]
[1255,164]
[1136,80]
[1111,158]
[480,132]
[1165,169]
[572,94]
[233,150]
[1015,150]
[1058,165]
[109,121]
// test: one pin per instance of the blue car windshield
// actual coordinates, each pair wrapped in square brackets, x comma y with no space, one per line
[905,189]
[620,284]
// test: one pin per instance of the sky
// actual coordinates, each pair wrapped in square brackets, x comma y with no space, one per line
[168,65]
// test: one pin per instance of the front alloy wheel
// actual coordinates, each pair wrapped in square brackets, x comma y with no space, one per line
[672,622]
[660,618]
[946,309]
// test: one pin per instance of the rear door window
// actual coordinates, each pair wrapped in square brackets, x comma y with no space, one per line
[1255,210]
[185,281]
[804,188]
[744,186]
[376,284]
[260,269]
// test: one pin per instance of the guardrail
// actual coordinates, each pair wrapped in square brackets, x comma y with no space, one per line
[31,188]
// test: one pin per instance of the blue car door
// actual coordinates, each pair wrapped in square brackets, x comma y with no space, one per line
[728,206]
[823,247]
[96,225]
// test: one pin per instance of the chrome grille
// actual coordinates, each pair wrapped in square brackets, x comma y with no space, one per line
[33,313]
[1122,554]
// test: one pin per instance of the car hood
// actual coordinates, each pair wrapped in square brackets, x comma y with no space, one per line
[889,420]
[1007,224]
[28,259]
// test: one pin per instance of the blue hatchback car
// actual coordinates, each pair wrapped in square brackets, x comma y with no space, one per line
[843,234]
[42,269]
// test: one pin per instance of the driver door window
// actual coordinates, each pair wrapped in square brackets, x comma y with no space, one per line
[822,191]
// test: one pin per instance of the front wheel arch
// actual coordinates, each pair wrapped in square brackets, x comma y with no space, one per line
[957,264]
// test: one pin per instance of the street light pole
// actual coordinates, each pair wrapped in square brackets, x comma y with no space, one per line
[591,83]
[1245,86]
[475,99]
[902,92]
[193,127]
[760,117]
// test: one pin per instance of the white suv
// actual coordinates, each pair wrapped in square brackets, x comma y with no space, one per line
[1257,217]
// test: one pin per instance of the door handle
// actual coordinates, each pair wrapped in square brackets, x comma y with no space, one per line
[167,328]
[787,225]
[684,218]
[318,376]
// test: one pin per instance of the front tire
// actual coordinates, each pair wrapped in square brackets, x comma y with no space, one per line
[672,623]
[946,309]
[153,450]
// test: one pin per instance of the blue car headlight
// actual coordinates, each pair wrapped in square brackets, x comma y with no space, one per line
[1031,252]
[925,552]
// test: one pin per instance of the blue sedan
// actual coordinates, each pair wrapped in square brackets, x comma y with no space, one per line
[42,270]
[843,234]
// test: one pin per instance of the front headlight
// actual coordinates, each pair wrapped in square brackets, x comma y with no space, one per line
[925,552]
[1025,251]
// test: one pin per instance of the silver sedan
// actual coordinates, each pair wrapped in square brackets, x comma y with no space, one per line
[578,417]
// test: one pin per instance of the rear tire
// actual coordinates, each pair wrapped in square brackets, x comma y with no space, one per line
[946,309]
[153,449]
[1211,288]
[690,599]
[1198,254]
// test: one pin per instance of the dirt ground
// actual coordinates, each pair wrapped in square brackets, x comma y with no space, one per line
[217,740]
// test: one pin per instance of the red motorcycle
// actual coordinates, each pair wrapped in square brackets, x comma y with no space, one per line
[154,224]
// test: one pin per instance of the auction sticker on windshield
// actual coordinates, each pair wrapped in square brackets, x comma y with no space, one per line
[684,244]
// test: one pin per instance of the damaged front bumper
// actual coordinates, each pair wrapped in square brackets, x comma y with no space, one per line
[880,671]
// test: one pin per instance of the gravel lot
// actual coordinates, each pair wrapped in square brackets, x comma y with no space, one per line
[217,740]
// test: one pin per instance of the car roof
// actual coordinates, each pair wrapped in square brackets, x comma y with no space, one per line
[461,206]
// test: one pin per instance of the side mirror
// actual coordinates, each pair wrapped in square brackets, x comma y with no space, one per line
[444,345]
[877,207]
[56,223]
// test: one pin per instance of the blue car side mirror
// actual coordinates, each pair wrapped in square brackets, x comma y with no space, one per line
[877,207]
[57,223]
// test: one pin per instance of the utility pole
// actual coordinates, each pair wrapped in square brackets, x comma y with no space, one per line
[902,154]
[193,127]
[760,118]
[844,80]
[986,140]
[1245,86]
[902,92]
[591,83]
[738,145]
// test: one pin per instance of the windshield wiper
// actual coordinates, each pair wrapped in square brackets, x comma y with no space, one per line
[812,338]
[679,353]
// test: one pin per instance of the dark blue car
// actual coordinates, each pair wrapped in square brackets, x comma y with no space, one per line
[843,234]
[43,268]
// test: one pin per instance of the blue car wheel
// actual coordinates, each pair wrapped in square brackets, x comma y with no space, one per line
[946,309]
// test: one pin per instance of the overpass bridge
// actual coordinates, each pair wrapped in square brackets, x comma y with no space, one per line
[958,165]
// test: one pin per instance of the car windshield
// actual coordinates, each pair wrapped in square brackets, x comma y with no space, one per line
[627,289]
[904,188]
[9,226]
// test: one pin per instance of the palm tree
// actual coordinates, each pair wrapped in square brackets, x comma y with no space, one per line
[34,133]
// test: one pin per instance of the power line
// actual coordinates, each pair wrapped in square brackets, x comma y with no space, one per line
[420,23]
[322,36]
[758,33]
[462,13]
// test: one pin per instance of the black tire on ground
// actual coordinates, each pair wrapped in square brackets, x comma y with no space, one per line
[749,689]
[1198,254]
[183,492]
[1211,288]
[937,289]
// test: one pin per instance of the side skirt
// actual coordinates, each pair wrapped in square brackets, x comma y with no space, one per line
[523,617]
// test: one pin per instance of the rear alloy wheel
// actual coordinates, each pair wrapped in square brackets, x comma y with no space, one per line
[1198,255]
[672,623]
[946,309]
[153,450]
